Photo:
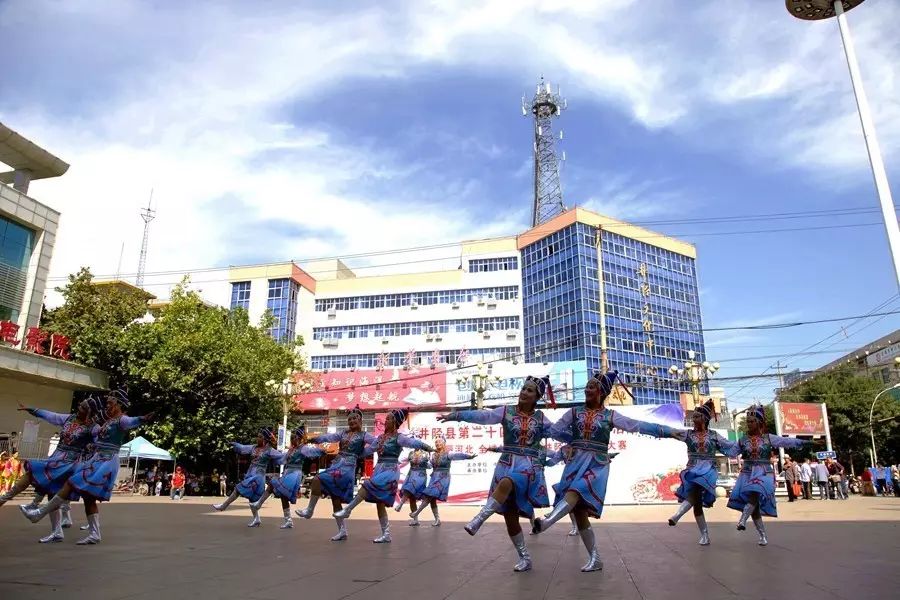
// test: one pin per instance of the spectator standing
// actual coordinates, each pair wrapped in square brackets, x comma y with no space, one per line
[821,470]
[223,484]
[158,485]
[178,480]
[835,479]
[214,483]
[895,477]
[791,476]
[889,482]
[805,479]
[880,481]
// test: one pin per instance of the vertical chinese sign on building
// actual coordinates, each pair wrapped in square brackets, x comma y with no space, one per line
[649,367]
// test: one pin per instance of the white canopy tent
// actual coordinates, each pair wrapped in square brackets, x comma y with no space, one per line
[139,448]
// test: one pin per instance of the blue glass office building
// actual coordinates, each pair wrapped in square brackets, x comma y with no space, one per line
[651,304]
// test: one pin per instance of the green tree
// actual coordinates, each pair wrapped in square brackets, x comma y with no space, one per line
[94,318]
[848,398]
[205,371]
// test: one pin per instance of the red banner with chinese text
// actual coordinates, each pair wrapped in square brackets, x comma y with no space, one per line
[801,418]
[372,389]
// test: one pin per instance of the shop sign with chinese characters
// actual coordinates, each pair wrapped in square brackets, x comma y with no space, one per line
[35,340]
[377,389]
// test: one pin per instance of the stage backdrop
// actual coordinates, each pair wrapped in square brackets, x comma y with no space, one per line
[645,469]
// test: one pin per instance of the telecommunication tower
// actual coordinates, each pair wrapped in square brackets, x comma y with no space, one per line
[548,199]
[148,214]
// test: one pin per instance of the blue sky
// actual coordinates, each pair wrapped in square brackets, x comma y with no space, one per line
[299,130]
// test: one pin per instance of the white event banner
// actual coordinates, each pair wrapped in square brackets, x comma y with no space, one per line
[644,470]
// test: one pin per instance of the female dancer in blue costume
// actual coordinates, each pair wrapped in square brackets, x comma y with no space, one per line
[698,479]
[582,487]
[381,488]
[754,491]
[518,486]
[339,479]
[416,481]
[94,477]
[439,485]
[263,455]
[49,475]
[287,486]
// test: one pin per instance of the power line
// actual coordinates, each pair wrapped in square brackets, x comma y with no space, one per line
[880,306]
[529,235]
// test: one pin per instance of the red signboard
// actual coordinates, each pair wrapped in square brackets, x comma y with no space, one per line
[801,418]
[372,389]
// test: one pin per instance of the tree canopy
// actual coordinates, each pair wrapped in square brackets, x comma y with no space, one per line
[206,371]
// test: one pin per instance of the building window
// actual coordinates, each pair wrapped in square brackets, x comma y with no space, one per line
[282,303]
[487,265]
[381,330]
[397,359]
[240,295]
[508,292]
[16,245]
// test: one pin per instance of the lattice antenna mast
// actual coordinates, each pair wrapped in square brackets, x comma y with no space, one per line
[148,214]
[544,107]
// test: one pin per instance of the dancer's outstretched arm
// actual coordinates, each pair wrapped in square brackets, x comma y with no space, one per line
[492,416]
[57,419]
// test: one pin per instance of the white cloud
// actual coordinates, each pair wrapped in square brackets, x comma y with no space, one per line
[198,112]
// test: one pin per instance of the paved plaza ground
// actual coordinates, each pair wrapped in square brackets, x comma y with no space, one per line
[157,549]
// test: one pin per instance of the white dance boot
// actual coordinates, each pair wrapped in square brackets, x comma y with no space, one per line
[255,521]
[385,537]
[341,535]
[307,512]
[437,517]
[574,531]
[745,514]
[594,563]
[398,505]
[682,509]
[704,530]
[223,505]
[65,512]
[761,530]
[93,536]
[524,563]
[558,512]
[288,521]
[345,512]
[490,507]
[262,500]
[56,533]
[39,513]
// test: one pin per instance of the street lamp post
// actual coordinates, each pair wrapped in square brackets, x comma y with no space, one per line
[482,381]
[872,414]
[694,373]
[816,10]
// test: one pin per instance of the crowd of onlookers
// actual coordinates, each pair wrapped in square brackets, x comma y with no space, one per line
[833,481]
[179,483]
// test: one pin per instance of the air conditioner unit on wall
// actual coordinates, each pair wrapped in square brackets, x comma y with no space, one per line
[414,305]
[332,312]
[429,337]
[455,305]
[511,334]
[330,342]
[384,340]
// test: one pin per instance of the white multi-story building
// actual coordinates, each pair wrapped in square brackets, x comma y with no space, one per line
[349,321]
[581,288]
